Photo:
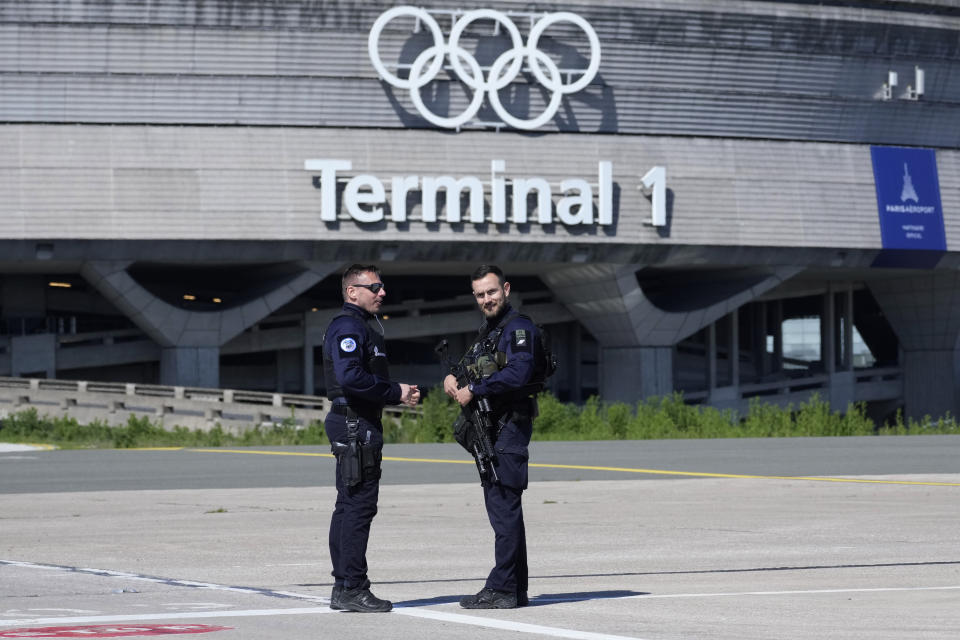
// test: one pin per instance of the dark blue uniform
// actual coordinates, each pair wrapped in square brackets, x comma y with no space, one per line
[510,394]
[356,376]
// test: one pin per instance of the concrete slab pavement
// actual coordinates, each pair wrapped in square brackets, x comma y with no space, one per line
[704,558]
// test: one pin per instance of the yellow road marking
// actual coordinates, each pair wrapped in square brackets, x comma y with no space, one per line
[703,474]
[266,453]
[659,472]
[429,460]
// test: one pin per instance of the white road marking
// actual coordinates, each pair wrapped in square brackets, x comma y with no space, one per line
[167,581]
[11,447]
[791,593]
[414,612]
[508,625]
[185,615]
[194,606]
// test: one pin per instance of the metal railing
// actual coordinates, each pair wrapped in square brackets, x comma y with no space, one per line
[881,383]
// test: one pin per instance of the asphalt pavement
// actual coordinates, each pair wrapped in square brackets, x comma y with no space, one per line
[847,538]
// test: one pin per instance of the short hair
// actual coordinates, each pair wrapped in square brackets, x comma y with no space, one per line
[350,275]
[485,270]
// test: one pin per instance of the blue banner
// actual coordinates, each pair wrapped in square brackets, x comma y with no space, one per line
[908,198]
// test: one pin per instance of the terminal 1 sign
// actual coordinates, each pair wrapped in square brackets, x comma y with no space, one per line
[365,196]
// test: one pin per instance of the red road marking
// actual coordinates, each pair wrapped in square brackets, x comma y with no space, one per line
[110,631]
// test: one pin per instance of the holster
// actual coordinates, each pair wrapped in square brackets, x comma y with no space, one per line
[359,460]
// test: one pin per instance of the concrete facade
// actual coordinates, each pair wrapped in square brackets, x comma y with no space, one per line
[163,166]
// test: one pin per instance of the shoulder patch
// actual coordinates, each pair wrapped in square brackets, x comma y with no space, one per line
[348,345]
[521,340]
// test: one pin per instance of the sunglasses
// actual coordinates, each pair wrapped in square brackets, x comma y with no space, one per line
[374,288]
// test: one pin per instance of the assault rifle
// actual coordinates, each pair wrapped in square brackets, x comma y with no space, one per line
[473,426]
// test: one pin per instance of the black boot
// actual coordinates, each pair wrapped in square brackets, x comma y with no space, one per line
[335,597]
[362,601]
[489,599]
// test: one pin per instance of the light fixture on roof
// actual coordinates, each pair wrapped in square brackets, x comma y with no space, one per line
[889,85]
[916,90]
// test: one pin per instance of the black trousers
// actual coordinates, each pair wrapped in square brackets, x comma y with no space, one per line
[353,512]
[504,503]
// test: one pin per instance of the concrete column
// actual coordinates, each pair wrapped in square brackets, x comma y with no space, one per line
[848,328]
[760,360]
[190,366]
[191,340]
[565,339]
[652,375]
[931,383]
[777,364]
[735,348]
[924,311]
[289,371]
[842,379]
[309,383]
[827,345]
[636,336]
[712,356]
[32,355]
[574,361]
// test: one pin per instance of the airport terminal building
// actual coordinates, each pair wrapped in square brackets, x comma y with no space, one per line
[727,199]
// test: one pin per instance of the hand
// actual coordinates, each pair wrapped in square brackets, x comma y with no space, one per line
[409,394]
[464,396]
[450,386]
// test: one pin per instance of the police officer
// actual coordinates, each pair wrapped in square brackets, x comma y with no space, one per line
[358,384]
[511,392]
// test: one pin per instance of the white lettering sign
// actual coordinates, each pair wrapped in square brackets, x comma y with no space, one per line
[364,195]
[655,181]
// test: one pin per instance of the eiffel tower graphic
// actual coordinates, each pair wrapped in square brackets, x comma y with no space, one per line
[908,192]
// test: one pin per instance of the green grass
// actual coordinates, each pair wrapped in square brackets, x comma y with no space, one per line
[654,418]
[65,432]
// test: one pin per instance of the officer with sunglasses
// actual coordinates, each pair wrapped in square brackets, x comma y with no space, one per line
[358,383]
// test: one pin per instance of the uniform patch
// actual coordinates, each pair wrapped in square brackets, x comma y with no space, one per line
[521,340]
[348,345]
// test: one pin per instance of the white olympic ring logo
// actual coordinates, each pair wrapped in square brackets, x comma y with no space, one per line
[427,65]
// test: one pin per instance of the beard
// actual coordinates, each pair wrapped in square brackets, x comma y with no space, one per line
[493,310]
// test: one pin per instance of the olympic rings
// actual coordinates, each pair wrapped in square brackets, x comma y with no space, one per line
[504,70]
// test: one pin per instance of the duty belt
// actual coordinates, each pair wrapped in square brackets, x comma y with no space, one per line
[372,416]
[523,409]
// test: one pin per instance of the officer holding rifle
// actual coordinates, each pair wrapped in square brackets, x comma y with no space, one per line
[496,382]
[359,385]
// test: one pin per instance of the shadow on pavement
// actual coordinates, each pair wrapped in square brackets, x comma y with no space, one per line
[536,601]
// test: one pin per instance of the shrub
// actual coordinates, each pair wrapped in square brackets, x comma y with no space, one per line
[653,418]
